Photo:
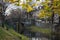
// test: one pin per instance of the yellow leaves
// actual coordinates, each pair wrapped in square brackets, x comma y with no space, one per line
[49,14]
[56,0]
[12,1]
[55,7]
[43,14]
[38,0]
[6,0]
[49,9]
[23,6]
[27,7]
[57,11]
[30,0]
[47,1]
[34,4]
[18,4]
[46,7]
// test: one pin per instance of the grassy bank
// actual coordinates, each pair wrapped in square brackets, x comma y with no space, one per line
[11,35]
[39,29]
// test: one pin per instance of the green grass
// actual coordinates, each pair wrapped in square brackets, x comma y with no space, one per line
[45,31]
[39,29]
[18,35]
[5,35]
[11,35]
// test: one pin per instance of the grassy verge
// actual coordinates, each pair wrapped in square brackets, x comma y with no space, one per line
[11,35]
[39,29]
[5,35]
[18,35]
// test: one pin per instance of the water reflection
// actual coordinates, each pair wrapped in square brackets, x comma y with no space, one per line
[33,38]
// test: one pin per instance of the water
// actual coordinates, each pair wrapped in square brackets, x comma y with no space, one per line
[33,38]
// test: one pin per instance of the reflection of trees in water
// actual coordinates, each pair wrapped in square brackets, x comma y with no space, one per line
[34,35]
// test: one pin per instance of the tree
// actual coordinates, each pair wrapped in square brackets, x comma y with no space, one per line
[53,7]
[1,13]
[55,10]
